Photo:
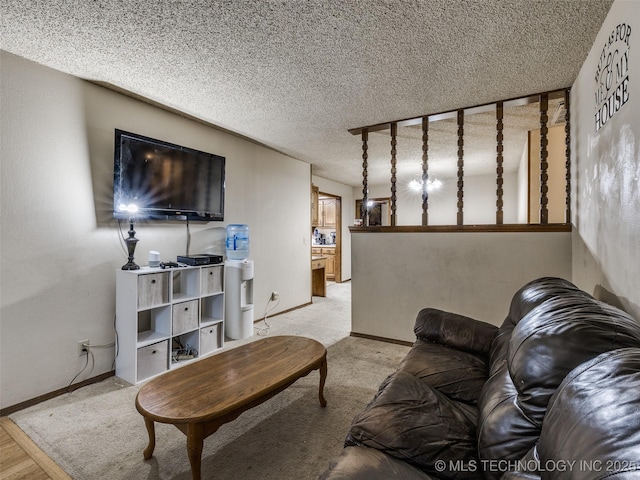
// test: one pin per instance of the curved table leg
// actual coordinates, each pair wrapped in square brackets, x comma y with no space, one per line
[151,430]
[195,440]
[323,378]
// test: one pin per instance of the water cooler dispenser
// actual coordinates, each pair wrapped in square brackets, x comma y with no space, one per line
[238,293]
[238,284]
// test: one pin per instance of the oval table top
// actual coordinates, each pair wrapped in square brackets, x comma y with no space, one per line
[220,384]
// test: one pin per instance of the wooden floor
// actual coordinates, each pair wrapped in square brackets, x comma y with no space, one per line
[20,458]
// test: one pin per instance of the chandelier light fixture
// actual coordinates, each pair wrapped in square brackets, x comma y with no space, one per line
[432,184]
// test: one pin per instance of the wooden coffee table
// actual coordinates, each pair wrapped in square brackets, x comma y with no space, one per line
[203,395]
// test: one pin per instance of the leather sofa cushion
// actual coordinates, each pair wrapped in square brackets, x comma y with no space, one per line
[499,347]
[504,431]
[594,420]
[453,330]
[562,328]
[556,337]
[539,291]
[412,421]
[459,375]
[361,463]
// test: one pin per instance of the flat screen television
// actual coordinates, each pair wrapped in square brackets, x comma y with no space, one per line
[166,181]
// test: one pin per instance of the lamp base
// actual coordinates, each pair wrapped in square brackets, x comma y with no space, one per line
[131,265]
[131,248]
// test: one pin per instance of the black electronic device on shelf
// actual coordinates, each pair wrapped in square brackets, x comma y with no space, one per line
[164,265]
[200,259]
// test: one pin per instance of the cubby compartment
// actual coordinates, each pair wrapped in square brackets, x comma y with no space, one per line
[212,280]
[184,347]
[153,325]
[153,289]
[212,309]
[152,359]
[211,338]
[184,317]
[186,283]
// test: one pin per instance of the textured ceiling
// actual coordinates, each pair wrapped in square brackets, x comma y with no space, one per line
[297,74]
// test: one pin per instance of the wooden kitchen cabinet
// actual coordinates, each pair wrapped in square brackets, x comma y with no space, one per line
[327,212]
[329,253]
[330,267]
[318,276]
[330,213]
[314,206]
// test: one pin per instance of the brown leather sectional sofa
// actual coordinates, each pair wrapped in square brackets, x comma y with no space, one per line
[554,393]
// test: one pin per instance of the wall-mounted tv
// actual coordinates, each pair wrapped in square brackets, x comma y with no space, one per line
[166,181]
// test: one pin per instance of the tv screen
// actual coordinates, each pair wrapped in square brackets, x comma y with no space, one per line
[166,181]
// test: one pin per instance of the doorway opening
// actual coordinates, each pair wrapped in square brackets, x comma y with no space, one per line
[327,234]
[377,209]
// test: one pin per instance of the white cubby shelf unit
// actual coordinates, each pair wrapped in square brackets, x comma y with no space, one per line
[166,318]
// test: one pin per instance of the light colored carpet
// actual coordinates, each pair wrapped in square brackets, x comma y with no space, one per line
[96,432]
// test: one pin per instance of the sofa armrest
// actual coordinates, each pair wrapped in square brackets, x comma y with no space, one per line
[453,330]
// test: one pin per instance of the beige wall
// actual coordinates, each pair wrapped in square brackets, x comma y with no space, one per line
[60,247]
[606,174]
[475,274]
[557,183]
[523,185]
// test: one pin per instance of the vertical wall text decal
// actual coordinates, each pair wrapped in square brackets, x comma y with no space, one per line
[612,75]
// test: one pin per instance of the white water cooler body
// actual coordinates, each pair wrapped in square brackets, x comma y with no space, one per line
[238,294]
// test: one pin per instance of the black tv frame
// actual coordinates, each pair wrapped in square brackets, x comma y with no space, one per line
[168,213]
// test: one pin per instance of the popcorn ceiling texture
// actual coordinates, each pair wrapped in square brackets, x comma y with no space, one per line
[296,75]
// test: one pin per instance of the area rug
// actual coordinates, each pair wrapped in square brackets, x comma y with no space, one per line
[96,433]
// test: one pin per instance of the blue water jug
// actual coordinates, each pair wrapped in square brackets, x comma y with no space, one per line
[237,241]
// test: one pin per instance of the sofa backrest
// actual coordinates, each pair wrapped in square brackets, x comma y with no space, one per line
[552,327]
[592,428]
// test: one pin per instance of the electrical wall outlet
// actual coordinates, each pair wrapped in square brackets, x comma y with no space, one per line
[82,350]
[274,296]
